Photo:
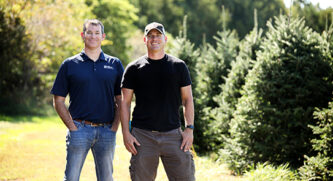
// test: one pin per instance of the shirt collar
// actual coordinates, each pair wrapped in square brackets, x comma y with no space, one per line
[85,56]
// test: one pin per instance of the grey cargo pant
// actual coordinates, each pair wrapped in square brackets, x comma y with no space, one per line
[179,165]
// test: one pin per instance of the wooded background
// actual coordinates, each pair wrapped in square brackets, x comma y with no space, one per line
[262,73]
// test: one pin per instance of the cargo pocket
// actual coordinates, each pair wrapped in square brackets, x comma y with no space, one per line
[132,168]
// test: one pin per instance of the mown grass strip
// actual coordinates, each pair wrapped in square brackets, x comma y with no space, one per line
[33,148]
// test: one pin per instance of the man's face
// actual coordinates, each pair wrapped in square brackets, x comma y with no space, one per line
[155,41]
[93,36]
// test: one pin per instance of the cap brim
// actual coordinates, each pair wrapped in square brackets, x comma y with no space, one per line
[154,29]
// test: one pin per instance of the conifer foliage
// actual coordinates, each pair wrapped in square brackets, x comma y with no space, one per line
[290,78]
[320,166]
[231,90]
[212,68]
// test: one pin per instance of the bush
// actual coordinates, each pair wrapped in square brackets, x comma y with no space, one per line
[291,77]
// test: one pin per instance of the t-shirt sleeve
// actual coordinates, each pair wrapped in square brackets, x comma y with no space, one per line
[128,80]
[60,85]
[117,90]
[185,76]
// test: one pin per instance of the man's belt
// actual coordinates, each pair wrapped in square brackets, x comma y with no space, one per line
[91,123]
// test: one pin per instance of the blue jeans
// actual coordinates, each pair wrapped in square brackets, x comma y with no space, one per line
[101,140]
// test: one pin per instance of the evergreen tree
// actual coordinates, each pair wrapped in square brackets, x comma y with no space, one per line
[215,65]
[290,78]
[320,165]
[212,68]
[231,90]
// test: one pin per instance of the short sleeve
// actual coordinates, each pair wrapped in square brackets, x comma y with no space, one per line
[185,76]
[60,85]
[128,80]
[117,90]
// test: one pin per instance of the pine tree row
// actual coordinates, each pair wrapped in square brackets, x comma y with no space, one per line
[265,98]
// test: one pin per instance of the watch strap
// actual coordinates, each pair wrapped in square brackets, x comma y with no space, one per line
[190,126]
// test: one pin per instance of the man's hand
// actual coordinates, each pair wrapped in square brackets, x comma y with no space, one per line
[187,139]
[129,141]
[114,127]
[73,129]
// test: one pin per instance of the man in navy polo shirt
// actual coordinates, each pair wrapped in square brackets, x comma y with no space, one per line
[92,80]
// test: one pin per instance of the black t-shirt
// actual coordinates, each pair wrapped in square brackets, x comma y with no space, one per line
[156,85]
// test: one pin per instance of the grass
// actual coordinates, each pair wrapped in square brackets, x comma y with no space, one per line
[267,172]
[33,148]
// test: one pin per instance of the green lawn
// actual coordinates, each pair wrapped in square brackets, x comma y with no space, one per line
[33,148]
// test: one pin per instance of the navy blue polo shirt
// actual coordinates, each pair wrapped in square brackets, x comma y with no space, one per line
[91,86]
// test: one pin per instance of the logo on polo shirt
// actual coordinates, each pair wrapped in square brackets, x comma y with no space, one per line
[108,67]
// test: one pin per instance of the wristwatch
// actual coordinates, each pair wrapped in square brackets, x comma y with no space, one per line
[190,126]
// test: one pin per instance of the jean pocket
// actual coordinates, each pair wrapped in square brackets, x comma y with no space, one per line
[109,128]
[112,131]
[78,125]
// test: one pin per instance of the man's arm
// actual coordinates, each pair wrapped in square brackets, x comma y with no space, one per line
[125,111]
[116,120]
[187,101]
[60,107]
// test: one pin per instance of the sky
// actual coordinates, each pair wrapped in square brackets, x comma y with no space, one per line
[323,4]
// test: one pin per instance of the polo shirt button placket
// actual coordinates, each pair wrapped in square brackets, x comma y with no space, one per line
[94,66]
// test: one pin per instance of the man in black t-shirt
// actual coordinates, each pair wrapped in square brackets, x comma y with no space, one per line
[161,84]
